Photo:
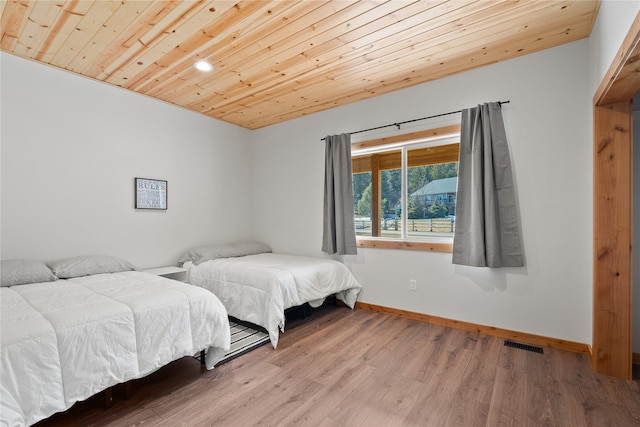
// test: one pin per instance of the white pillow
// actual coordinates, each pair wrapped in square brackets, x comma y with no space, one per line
[206,253]
[88,265]
[24,271]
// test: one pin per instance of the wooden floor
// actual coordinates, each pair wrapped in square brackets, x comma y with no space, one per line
[360,368]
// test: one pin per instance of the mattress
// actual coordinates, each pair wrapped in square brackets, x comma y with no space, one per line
[67,340]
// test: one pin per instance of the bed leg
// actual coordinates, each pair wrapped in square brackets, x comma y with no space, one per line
[108,398]
[127,388]
[202,357]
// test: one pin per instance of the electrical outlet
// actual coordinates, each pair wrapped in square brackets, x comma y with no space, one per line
[412,285]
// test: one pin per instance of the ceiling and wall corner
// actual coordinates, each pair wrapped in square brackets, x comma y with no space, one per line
[70,150]
[274,60]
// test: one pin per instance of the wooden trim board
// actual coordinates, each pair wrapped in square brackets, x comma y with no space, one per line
[613,225]
[613,181]
[404,244]
[522,337]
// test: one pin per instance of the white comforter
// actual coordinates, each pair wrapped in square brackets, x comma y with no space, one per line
[258,288]
[67,340]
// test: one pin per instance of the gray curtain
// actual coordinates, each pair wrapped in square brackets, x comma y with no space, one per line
[487,232]
[339,232]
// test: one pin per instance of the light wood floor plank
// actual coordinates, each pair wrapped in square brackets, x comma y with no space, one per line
[316,411]
[392,408]
[507,407]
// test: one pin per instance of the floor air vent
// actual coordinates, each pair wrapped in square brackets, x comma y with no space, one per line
[527,347]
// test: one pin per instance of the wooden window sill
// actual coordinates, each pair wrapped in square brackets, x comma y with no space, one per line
[403,244]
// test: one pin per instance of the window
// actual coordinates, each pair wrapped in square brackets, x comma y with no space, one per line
[404,190]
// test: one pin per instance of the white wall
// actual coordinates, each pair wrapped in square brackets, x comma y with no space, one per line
[548,124]
[70,149]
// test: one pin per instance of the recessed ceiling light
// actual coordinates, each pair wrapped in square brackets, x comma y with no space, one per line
[203,66]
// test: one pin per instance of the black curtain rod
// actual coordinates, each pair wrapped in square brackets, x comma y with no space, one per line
[411,121]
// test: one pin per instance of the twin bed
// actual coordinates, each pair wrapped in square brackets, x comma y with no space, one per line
[66,339]
[257,286]
[75,327]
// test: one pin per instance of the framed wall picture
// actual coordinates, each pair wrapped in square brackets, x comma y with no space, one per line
[151,193]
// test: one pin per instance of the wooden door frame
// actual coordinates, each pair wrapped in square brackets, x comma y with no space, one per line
[613,207]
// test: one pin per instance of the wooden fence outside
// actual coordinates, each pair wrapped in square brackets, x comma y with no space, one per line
[435,225]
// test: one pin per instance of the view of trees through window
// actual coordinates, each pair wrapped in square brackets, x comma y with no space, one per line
[391,182]
[431,192]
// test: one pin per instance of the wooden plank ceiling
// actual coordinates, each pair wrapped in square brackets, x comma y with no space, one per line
[279,60]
